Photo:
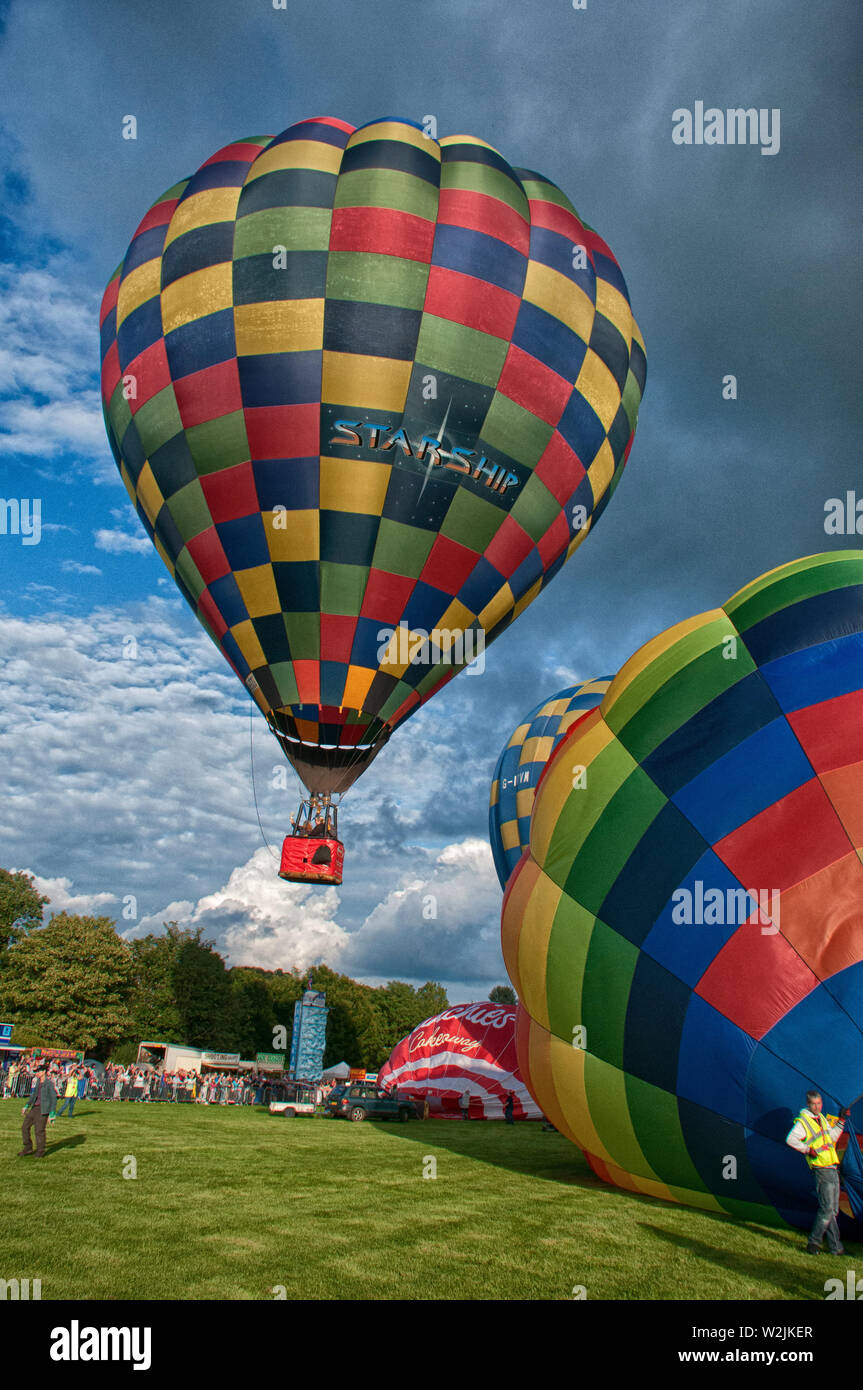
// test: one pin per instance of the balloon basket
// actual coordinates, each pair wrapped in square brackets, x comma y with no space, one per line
[309,860]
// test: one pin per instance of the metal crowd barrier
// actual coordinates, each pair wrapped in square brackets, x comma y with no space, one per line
[157,1089]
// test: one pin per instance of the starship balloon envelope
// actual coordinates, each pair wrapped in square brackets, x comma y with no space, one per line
[367,391]
[521,765]
[686,932]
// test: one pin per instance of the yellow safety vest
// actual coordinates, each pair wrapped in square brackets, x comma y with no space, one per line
[825,1150]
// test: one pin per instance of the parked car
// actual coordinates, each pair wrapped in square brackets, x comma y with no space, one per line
[363,1101]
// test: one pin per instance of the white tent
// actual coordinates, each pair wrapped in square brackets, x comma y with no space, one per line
[340,1072]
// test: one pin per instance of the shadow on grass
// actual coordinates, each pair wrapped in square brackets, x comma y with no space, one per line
[73,1142]
[521,1150]
[526,1148]
[854,1244]
[789,1280]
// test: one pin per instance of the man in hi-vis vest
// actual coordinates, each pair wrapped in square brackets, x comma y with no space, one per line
[815,1136]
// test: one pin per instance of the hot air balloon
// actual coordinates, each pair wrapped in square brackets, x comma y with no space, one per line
[468,1047]
[367,391]
[685,932]
[520,766]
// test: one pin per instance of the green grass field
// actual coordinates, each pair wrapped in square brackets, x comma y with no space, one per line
[232,1203]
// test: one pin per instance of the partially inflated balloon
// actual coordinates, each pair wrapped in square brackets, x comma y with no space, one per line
[686,932]
[469,1047]
[368,391]
[521,765]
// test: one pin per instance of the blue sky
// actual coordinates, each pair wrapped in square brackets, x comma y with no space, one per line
[127,763]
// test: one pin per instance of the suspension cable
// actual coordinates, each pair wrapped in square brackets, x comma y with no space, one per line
[252,708]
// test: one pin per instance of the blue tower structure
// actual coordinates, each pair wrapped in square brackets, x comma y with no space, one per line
[309,1037]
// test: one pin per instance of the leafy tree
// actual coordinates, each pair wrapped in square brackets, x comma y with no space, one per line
[397,1003]
[431,999]
[502,994]
[25,1036]
[350,1023]
[202,992]
[77,983]
[154,1007]
[21,906]
[365,1023]
[253,1012]
[71,981]
[285,987]
[402,1007]
[373,1034]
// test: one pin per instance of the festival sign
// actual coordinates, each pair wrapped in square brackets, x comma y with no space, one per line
[57,1054]
[469,1047]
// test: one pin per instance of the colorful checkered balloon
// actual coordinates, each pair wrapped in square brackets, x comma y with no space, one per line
[368,392]
[521,764]
[686,933]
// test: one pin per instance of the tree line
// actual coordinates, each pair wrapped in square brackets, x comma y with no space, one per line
[77,983]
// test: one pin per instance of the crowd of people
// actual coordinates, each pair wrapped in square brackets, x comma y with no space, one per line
[76,1081]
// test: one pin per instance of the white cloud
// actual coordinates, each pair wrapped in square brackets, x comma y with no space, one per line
[443,922]
[132,777]
[56,427]
[122,759]
[62,899]
[76,567]
[49,398]
[258,919]
[122,543]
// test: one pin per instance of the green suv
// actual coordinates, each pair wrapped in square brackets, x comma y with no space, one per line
[362,1100]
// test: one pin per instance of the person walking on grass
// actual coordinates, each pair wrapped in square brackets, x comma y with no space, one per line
[70,1094]
[37,1113]
[814,1134]
[464,1105]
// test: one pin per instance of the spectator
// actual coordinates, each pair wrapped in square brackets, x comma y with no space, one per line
[70,1094]
[41,1109]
